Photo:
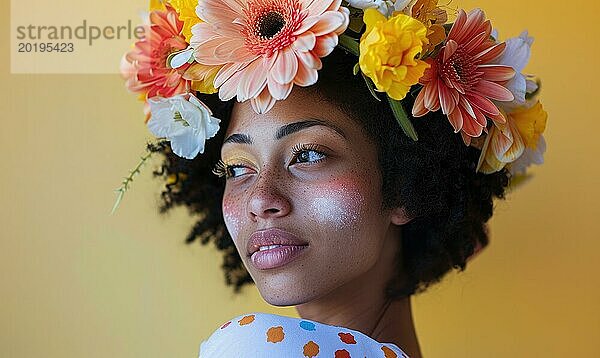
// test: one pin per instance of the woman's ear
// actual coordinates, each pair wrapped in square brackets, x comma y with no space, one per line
[399,216]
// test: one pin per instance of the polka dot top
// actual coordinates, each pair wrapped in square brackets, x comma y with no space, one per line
[265,335]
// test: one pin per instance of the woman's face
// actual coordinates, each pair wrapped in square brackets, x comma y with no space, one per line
[306,169]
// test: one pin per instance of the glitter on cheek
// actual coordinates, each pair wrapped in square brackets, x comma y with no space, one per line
[338,206]
[232,217]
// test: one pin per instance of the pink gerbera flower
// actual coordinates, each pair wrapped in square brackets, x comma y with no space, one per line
[145,67]
[464,79]
[266,46]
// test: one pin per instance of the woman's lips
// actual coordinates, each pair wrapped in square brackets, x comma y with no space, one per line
[271,248]
[276,257]
[272,236]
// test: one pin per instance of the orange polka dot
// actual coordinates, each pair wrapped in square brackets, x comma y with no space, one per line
[388,352]
[225,325]
[246,320]
[275,334]
[342,353]
[347,338]
[311,349]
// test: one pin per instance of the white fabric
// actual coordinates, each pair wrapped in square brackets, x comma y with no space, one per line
[265,335]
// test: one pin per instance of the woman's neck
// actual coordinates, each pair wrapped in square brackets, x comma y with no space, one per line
[397,326]
[386,323]
[361,305]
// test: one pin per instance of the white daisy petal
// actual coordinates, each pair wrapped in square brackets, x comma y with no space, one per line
[186,145]
[185,121]
[516,55]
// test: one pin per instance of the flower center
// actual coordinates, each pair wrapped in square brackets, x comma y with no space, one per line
[461,68]
[177,117]
[270,24]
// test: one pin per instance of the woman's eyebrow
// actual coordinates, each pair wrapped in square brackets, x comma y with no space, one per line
[285,130]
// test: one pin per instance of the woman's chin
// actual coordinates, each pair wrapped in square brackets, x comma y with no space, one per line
[284,293]
[283,300]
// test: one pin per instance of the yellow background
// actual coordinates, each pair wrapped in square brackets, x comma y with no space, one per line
[76,282]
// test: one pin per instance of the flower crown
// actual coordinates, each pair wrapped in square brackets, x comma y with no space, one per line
[257,50]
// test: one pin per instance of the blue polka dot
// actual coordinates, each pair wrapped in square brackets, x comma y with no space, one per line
[309,326]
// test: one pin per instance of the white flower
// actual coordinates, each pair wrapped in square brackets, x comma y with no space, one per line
[529,156]
[516,55]
[185,121]
[404,5]
[386,7]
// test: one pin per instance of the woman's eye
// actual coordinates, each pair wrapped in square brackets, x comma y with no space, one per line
[228,171]
[301,153]
[306,154]
[234,171]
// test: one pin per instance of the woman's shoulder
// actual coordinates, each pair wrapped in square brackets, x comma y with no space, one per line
[267,335]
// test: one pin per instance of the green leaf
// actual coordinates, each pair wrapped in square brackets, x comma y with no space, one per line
[402,118]
[356,69]
[356,24]
[349,44]
[370,86]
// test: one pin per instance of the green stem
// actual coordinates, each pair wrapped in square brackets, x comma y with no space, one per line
[402,118]
[349,44]
[128,179]
[370,86]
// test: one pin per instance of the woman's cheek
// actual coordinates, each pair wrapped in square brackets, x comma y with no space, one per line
[338,204]
[232,214]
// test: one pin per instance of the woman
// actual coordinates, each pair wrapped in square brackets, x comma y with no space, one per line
[322,200]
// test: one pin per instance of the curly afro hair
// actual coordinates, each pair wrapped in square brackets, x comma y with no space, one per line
[434,179]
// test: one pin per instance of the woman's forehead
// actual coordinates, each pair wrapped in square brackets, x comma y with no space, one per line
[303,108]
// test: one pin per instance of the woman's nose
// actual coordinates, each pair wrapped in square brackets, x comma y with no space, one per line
[267,200]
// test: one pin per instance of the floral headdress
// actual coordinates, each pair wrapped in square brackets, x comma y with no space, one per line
[258,50]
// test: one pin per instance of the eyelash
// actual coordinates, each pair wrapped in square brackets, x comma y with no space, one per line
[223,169]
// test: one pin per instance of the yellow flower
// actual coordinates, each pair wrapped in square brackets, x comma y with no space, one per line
[388,52]
[157,5]
[187,13]
[506,143]
[433,17]
[202,77]
[175,178]
[531,123]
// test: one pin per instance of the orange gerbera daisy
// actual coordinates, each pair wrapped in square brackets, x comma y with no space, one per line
[463,78]
[145,67]
[266,46]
